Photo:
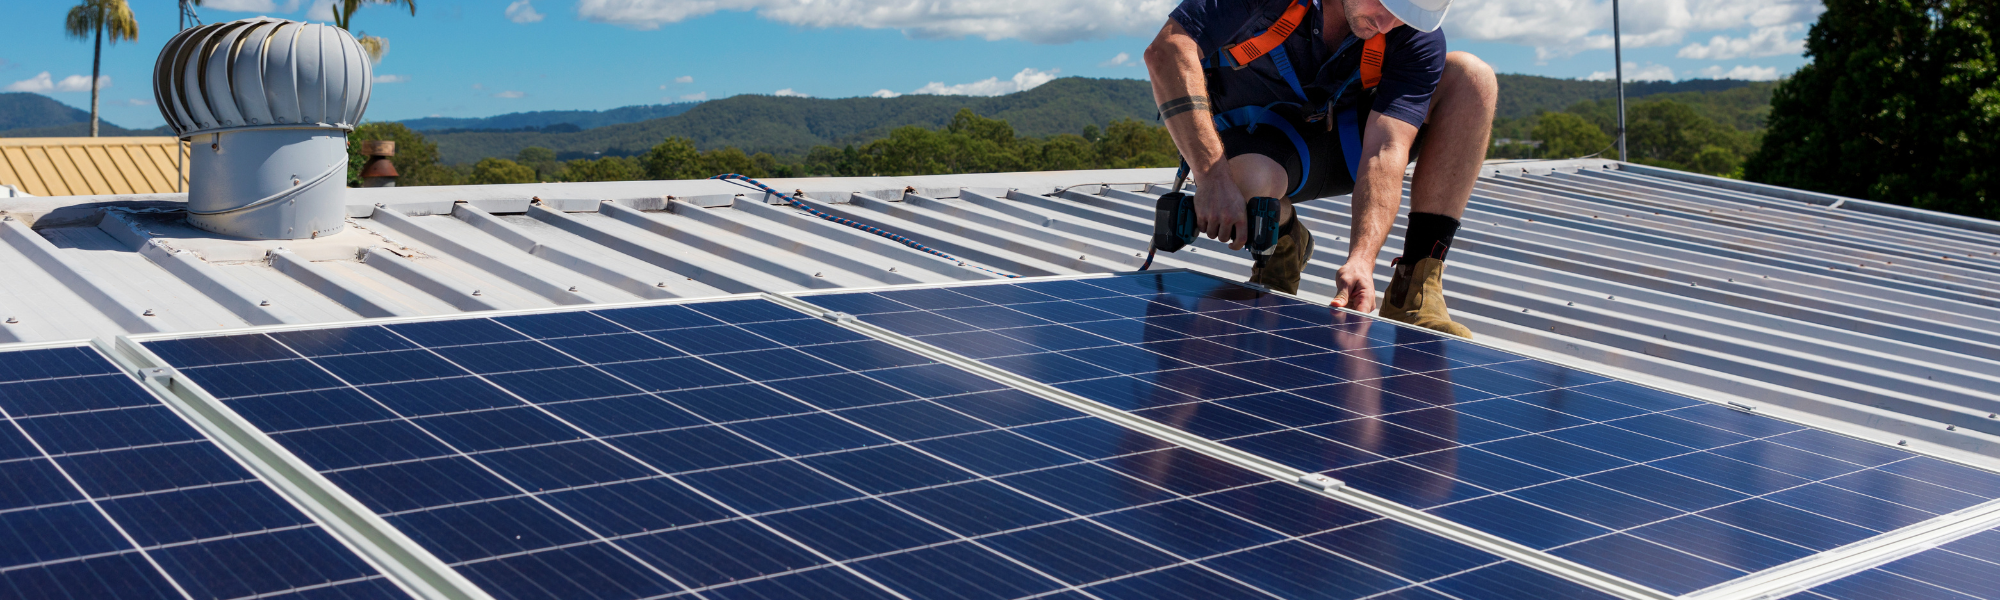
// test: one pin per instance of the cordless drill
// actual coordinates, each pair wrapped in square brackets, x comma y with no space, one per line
[1174,220]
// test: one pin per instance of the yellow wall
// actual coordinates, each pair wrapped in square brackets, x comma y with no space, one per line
[91,166]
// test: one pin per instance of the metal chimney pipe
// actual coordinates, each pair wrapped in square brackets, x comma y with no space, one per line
[380,171]
[267,105]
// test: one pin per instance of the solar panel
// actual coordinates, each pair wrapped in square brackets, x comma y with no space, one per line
[1961,570]
[738,449]
[106,493]
[1660,489]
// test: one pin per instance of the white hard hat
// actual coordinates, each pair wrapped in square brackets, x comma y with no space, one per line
[1422,15]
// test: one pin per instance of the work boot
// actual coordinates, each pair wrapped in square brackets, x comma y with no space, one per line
[1416,296]
[1281,269]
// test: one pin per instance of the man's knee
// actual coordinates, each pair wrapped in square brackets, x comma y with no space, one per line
[1471,75]
[1258,175]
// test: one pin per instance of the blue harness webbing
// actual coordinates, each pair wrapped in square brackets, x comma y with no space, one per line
[1253,116]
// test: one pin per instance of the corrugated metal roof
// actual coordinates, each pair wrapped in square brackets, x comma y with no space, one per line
[1868,318]
[91,166]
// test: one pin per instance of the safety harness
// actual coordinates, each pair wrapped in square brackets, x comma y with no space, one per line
[1271,42]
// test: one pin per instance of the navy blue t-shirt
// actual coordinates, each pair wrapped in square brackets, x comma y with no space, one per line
[1411,66]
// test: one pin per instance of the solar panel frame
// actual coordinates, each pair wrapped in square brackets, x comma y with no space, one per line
[876,307]
[999,417]
[125,465]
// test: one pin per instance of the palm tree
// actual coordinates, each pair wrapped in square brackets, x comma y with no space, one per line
[343,14]
[91,18]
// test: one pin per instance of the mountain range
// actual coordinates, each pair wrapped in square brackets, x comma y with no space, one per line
[791,125]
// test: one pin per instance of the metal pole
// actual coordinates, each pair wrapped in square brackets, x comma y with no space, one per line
[1618,67]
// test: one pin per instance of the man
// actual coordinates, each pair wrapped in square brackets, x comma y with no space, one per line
[1299,100]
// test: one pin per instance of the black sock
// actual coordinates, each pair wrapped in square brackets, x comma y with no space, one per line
[1429,236]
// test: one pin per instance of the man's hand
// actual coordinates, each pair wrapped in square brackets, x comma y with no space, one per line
[1355,285]
[1219,209]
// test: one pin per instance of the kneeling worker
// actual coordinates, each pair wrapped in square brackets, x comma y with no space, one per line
[1293,100]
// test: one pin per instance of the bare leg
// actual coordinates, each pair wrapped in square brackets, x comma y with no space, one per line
[1460,125]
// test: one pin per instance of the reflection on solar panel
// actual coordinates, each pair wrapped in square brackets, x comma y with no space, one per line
[1962,570]
[106,493]
[740,450]
[1659,489]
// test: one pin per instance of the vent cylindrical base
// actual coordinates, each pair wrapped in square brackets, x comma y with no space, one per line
[269,184]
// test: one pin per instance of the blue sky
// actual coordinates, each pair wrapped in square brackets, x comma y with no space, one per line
[469,58]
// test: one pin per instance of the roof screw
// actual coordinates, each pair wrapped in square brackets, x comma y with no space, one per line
[1988,415]
[1081,257]
[1572,304]
[660,284]
[264,303]
[1951,428]
[12,320]
[1902,442]
[7,218]
[381,205]
[572,288]
[819,274]
[475,292]
[1524,310]
[892,269]
[148,313]
[1610,297]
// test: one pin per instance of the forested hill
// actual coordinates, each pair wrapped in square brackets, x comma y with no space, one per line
[582,119]
[791,126]
[1523,95]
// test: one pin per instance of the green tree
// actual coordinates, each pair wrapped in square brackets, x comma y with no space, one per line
[91,18]
[1132,144]
[675,158]
[727,160]
[494,171]
[609,168]
[1565,135]
[416,158]
[343,16]
[1900,104]
[542,160]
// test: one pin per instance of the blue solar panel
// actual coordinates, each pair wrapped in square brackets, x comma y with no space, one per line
[1664,490]
[105,492]
[739,449]
[1960,570]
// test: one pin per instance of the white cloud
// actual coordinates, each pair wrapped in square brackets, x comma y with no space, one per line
[1634,72]
[884,93]
[520,11]
[510,94]
[684,79]
[694,97]
[320,12]
[478,86]
[1041,21]
[43,84]
[1745,72]
[390,78]
[1025,80]
[1121,60]
[789,92]
[1768,41]
[256,6]
[139,102]
[1562,28]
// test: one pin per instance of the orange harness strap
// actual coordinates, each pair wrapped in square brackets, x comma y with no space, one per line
[1256,47]
[1371,60]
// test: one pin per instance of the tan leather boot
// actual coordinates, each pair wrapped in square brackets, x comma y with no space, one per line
[1281,270]
[1416,296]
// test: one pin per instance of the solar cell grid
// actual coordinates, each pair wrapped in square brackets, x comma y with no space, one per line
[1609,474]
[1960,570]
[105,492]
[850,469]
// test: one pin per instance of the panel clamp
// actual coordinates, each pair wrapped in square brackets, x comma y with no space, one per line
[838,317]
[1320,482]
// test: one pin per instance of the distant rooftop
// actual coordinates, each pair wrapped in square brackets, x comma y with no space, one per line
[83,166]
